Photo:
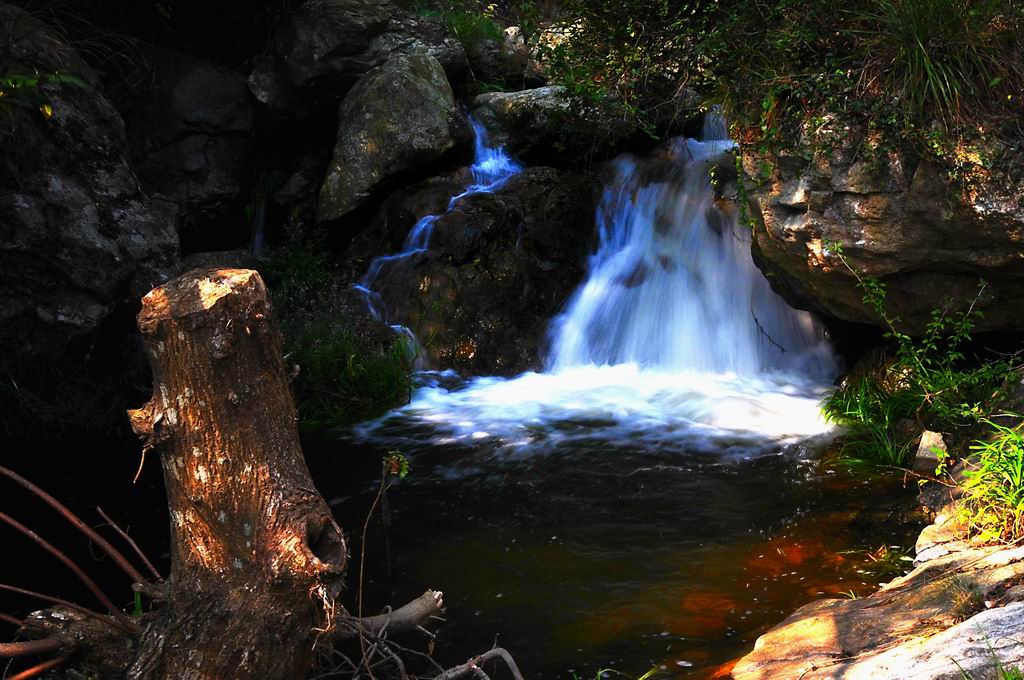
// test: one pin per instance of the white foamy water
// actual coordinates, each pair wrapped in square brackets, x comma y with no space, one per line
[673,341]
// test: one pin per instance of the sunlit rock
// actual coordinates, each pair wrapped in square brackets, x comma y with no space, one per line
[930,237]
[399,118]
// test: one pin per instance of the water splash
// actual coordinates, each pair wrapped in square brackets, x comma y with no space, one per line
[492,168]
[674,341]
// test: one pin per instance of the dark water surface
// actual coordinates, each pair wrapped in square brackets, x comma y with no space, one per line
[611,556]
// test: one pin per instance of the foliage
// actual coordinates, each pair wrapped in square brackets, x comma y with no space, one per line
[929,382]
[342,377]
[23,91]
[899,63]
[341,381]
[470,21]
[994,488]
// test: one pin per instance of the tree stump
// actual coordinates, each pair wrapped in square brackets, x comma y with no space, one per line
[256,560]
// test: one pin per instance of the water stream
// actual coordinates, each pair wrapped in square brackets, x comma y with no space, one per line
[648,499]
[491,169]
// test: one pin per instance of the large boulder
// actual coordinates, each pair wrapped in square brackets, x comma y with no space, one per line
[78,236]
[191,136]
[928,237]
[499,266]
[400,118]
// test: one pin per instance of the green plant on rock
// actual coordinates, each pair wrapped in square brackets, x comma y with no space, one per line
[993,501]
[23,91]
[929,383]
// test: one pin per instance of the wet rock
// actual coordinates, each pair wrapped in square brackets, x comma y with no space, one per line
[389,227]
[78,237]
[898,218]
[397,120]
[499,267]
[524,121]
[191,137]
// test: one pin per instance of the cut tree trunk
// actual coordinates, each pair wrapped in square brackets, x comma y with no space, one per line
[256,560]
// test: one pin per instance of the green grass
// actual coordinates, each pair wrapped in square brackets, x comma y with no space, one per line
[340,380]
[470,21]
[873,410]
[938,56]
[993,500]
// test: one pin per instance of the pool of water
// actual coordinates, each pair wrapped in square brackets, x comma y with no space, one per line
[601,551]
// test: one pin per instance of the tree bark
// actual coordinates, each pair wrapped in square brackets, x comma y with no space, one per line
[257,560]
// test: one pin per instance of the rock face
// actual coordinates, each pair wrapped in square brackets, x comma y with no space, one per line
[499,267]
[329,44]
[901,220]
[399,118]
[191,138]
[78,236]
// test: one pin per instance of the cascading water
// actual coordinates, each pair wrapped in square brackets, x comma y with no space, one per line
[672,286]
[491,169]
[674,341]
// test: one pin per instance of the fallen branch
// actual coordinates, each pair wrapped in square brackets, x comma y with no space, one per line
[10,650]
[472,667]
[406,618]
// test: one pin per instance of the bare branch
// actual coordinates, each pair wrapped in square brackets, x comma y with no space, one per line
[406,618]
[71,517]
[138,551]
[473,665]
[7,618]
[126,622]
[10,650]
[38,670]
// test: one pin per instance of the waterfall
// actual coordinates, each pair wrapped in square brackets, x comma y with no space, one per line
[492,168]
[674,342]
[672,285]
